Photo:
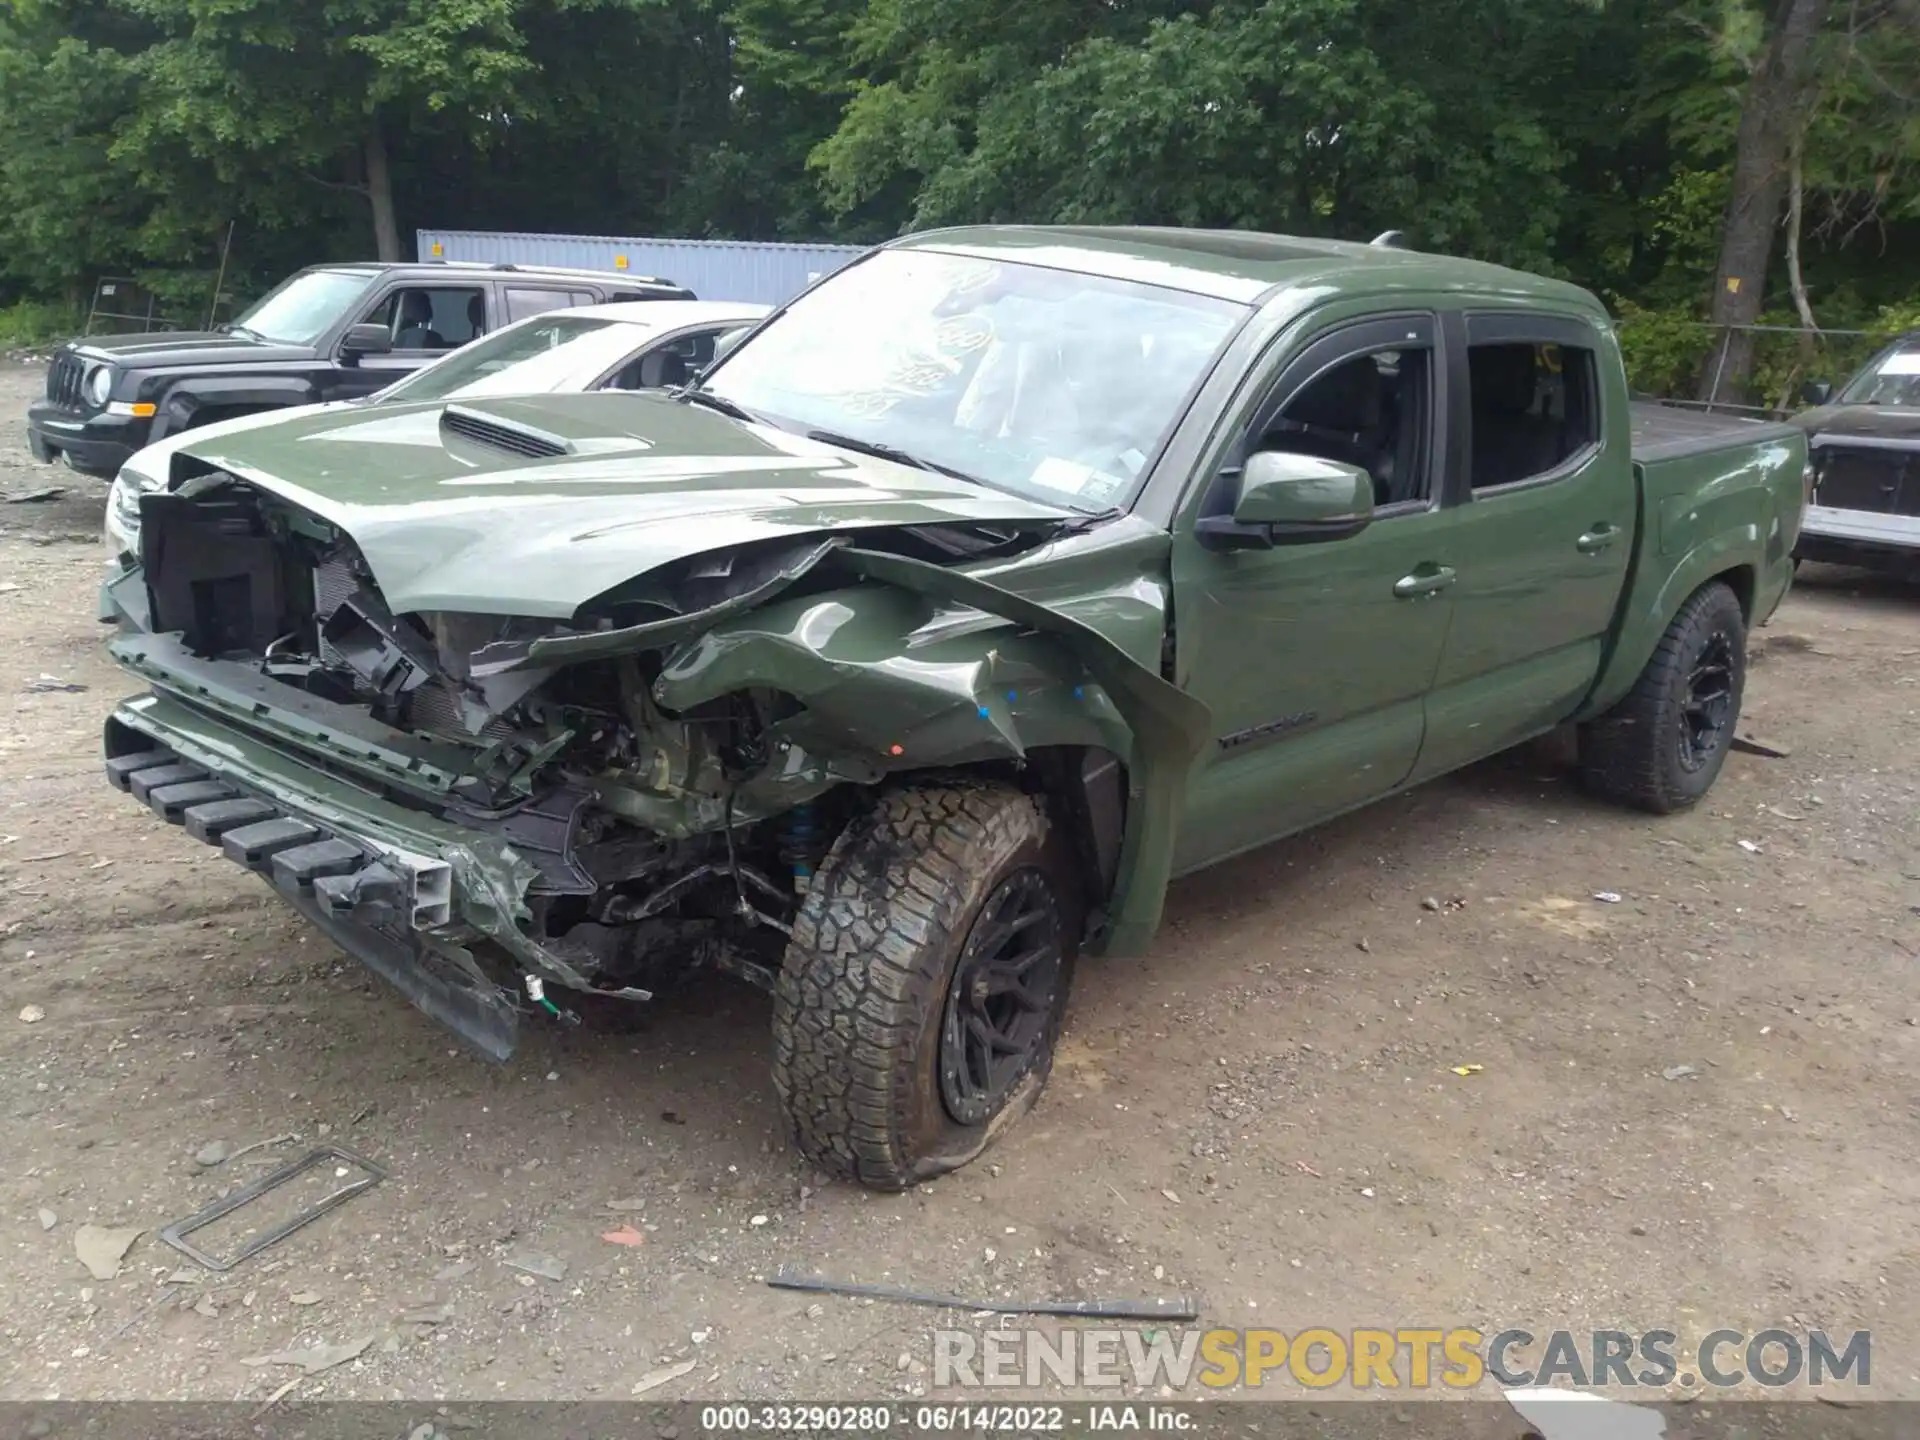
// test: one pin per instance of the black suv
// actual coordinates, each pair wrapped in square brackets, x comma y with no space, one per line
[332,332]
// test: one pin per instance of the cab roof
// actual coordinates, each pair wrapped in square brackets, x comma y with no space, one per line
[1248,266]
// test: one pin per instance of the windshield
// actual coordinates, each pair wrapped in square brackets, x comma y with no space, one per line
[1048,383]
[300,310]
[1893,379]
[532,358]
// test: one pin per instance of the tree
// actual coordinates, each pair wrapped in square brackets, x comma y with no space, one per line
[319,89]
[1772,120]
[1648,148]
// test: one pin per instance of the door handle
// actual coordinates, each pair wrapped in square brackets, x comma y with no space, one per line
[1427,580]
[1597,539]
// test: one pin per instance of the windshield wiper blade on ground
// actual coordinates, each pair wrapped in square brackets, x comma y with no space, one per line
[882,451]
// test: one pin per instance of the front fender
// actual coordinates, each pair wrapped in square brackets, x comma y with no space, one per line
[980,694]
[184,400]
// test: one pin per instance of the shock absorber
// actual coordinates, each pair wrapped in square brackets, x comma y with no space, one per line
[799,846]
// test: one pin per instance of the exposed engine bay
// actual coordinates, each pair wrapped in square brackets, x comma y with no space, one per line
[661,839]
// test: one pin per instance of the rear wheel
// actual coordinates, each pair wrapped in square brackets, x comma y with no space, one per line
[1661,748]
[922,994]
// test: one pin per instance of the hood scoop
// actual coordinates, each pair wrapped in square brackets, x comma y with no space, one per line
[456,421]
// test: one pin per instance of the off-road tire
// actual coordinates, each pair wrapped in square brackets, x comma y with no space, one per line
[1633,753]
[864,986]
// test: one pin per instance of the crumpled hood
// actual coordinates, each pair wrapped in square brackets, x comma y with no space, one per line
[1838,423]
[449,522]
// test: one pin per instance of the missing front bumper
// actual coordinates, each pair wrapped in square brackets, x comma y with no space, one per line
[374,901]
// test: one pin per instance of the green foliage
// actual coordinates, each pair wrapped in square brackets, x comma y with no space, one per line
[28,323]
[1588,138]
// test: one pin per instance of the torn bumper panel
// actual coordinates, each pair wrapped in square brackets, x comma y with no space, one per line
[379,880]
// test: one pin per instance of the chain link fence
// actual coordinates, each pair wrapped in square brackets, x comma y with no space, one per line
[1675,360]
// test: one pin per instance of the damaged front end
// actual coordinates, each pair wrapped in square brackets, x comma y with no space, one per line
[491,810]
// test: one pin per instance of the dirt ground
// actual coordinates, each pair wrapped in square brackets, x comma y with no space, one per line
[1263,1113]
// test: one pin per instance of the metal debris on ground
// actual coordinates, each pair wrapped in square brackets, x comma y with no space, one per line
[1607,897]
[176,1233]
[1177,1307]
[1679,1072]
[1749,847]
[654,1379]
[35,497]
[1754,745]
[102,1247]
[547,1267]
[44,684]
[276,1397]
[287,1139]
[1468,1069]
[315,1358]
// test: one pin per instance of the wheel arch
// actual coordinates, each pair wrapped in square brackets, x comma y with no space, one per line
[1727,559]
[196,399]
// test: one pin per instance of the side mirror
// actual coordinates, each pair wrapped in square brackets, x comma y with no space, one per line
[366,339]
[1286,499]
[1816,392]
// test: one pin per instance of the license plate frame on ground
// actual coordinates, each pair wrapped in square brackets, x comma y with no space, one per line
[176,1233]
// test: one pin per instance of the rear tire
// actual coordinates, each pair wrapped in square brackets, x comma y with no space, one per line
[923,990]
[1661,748]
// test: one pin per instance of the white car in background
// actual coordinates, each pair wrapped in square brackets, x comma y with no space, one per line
[624,346]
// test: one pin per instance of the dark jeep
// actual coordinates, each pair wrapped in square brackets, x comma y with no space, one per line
[332,332]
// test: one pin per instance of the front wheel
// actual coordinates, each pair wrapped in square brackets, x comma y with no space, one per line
[922,993]
[1661,748]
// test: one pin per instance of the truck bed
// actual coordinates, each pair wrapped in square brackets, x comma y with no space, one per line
[1667,432]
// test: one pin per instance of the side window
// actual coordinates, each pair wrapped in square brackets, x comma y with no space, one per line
[522,303]
[670,363]
[1373,409]
[435,318]
[1535,406]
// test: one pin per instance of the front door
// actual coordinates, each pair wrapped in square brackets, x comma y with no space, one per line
[424,323]
[1543,543]
[1315,659]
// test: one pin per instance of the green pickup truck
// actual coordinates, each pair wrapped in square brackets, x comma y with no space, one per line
[984,588]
